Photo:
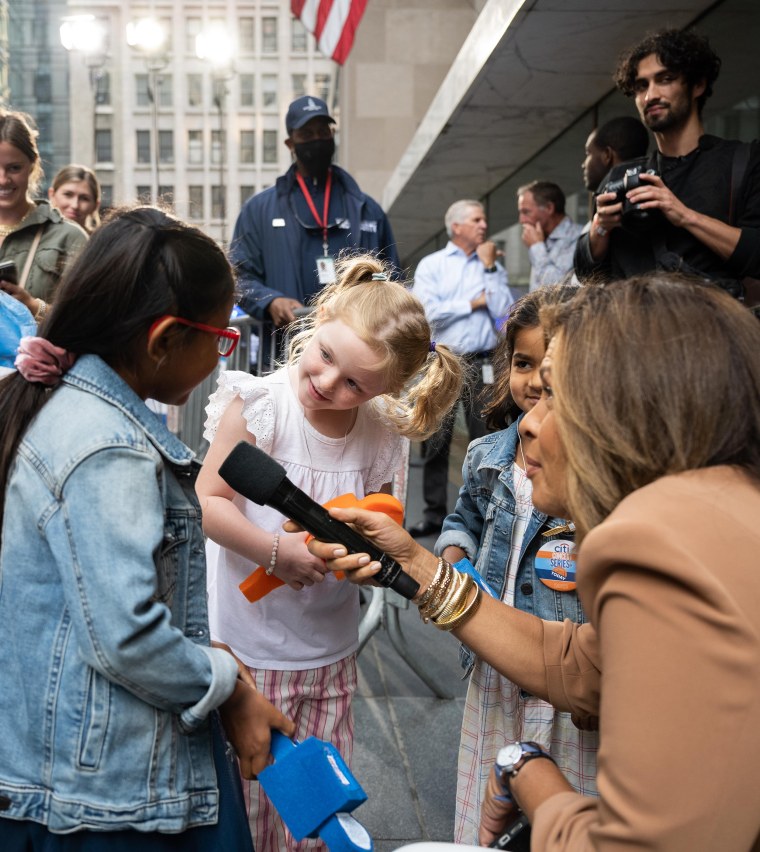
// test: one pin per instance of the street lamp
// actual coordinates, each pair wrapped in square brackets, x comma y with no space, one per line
[216,46]
[149,37]
[86,35]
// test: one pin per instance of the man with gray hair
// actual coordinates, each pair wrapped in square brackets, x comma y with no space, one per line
[549,234]
[465,293]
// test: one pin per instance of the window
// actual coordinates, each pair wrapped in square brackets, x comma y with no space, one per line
[246,40]
[166,194]
[247,146]
[102,88]
[195,147]
[245,193]
[218,142]
[246,90]
[103,146]
[43,91]
[143,146]
[195,202]
[142,90]
[298,82]
[298,36]
[106,196]
[166,146]
[269,90]
[269,148]
[164,90]
[143,194]
[322,83]
[269,35]
[192,28]
[194,90]
[217,202]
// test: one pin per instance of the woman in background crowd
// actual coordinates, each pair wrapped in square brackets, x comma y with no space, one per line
[33,235]
[76,193]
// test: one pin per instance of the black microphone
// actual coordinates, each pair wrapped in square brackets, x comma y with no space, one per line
[258,477]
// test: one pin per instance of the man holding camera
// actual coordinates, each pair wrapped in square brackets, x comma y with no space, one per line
[695,205]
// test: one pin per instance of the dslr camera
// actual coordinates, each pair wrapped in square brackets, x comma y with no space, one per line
[621,179]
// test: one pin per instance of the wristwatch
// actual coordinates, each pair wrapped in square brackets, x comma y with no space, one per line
[511,759]
[490,269]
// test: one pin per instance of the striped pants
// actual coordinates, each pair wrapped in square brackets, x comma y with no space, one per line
[319,702]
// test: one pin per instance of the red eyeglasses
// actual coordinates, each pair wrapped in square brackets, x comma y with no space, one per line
[226,338]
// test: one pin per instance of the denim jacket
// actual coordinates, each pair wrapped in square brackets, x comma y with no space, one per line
[482,524]
[107,677]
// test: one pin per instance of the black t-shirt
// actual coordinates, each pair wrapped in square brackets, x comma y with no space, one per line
[702,181]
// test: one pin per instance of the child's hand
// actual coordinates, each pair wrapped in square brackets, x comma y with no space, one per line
[248,719]
[295,565]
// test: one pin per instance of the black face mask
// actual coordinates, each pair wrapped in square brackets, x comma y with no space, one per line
[315,156]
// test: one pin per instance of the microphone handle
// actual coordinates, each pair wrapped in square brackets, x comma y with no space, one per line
[295,504]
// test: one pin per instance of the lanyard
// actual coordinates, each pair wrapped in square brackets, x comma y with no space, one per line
[307,195]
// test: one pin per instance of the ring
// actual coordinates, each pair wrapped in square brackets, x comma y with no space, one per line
[601,231]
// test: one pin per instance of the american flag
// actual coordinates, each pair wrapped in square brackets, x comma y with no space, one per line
[332,23]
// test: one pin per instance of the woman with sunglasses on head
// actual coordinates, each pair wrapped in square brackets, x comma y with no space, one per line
[647,435]
[34,236]
[115,709]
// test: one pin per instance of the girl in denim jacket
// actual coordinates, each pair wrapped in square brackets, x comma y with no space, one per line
[526,558]
[109,731]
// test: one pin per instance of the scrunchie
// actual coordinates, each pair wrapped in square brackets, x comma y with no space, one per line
[39,360]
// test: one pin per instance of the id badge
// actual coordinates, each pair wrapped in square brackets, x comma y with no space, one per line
[326,270]
[487,372]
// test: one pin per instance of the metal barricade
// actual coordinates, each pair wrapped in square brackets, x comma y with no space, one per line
[188,420]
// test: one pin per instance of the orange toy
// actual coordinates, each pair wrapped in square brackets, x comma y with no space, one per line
[259,583]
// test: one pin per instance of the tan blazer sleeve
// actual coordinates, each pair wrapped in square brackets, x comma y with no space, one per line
[571,656]
[675,591]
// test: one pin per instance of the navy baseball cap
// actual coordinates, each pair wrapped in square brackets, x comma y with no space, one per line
[303,109]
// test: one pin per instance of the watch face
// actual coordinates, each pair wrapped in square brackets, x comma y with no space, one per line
[508,756]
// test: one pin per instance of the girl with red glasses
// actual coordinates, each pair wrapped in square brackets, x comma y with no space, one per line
[116,711]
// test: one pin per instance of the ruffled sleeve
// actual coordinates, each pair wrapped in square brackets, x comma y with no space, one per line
[391,457]
[258,406]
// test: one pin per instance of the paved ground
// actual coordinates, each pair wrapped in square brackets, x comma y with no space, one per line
[406,738]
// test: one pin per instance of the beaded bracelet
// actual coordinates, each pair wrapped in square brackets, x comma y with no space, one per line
[434,583]
[440,593]
[273,557]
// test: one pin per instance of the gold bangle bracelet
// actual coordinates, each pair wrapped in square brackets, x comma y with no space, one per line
[434,583]
[435,605]
[465,615]
[439,594]
[456,601]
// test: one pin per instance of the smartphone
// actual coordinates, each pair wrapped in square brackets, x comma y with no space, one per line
[9,272]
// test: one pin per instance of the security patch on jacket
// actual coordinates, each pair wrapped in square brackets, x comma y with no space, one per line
[555,565]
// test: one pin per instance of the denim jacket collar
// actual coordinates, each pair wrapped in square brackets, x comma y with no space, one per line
[91,373]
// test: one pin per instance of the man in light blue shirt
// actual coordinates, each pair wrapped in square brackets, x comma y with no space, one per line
[548,232]
[465,294]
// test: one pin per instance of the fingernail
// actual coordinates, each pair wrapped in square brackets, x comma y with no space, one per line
[363,560]
[339,551]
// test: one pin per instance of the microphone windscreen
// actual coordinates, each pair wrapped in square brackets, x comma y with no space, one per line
[252,473]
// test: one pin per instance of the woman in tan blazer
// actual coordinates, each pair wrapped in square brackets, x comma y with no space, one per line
[648,437]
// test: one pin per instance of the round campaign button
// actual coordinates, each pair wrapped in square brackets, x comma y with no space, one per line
[555,565]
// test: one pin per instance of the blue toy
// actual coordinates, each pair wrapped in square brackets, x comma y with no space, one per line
[314,792]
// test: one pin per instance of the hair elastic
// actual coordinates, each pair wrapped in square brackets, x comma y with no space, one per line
[39,360]
[379,276]
[432,345]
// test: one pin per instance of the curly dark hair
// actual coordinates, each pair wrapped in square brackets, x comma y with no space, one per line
[682,51]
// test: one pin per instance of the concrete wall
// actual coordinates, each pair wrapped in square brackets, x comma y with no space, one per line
[402,52]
